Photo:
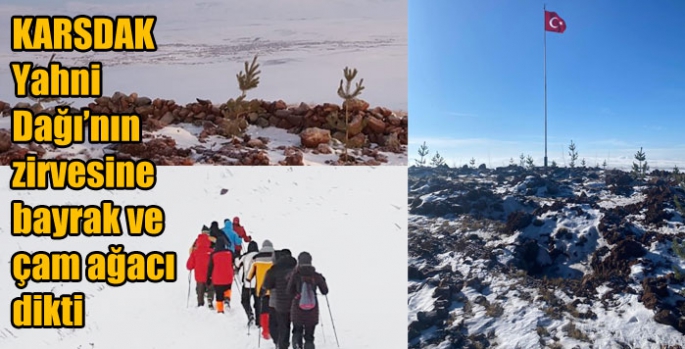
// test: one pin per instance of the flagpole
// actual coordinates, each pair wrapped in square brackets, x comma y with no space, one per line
[544,29]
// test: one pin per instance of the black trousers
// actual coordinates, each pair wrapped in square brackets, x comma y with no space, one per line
[219,290]
[202,289]
[283,336]
[245,301]
[301,332]
[273,325]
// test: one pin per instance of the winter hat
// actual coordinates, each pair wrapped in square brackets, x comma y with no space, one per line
[214,225]
[205,229]
[286,253]
[236,220]
[252,246]
[304,259]
[267,246]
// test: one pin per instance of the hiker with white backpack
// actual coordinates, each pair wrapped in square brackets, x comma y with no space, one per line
[244,264]
[304,311]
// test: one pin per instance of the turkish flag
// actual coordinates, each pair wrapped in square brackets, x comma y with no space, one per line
[554,23]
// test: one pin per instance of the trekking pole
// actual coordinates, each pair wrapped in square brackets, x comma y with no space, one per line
[248,306]
[332,323]
[190,272]
[237,285]
[259,335]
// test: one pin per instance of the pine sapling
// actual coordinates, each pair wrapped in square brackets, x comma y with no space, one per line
[522,160]
[348,94]
[679,207]
[604,165]
[582,163]
[573,154]
[472,162]
[640,169]
[249,79]
[42,101]
[554,164]
[437,160]
[423,152]
[530,163]
[678,249]
[511,161]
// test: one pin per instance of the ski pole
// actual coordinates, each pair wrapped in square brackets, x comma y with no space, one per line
[248,307]
[237,285]
[190,272]
[332,323]
[259,335]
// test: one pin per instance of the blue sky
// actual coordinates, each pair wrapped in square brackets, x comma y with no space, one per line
[615,78]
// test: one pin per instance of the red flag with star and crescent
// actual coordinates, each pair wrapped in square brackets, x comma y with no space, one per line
[554,23]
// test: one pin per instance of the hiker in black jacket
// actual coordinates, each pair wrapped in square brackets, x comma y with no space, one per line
[276,280]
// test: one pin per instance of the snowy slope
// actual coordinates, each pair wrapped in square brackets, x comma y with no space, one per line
[512,258]
[352,221]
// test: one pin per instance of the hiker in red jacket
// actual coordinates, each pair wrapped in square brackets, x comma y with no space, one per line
[220,275]
[240,230]
[199,261]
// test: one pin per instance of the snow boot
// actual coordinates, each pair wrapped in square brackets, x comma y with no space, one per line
[211,305]
[297,341]
[250,320]
[264,320]
[220,307]
[309,345]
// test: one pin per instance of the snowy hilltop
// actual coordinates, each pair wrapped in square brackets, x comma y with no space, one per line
[570,258]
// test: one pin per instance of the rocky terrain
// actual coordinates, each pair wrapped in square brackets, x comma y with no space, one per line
[256,133]
[571,258]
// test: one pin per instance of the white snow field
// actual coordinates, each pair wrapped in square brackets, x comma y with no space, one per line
[352,221]
[303,47]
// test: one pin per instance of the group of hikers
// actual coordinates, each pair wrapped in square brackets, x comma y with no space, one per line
[283,289]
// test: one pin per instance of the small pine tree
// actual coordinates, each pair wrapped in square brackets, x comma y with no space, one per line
[348,95]
[522,160]
[423,152]
[678,249]
[678,206]
[573,154]
[472,162]
[640,169]
[554,164]
[678,176]
[437,160]
[604,165]
[582,163]
[42,101]
[530,163]
[249,79]
[511,161]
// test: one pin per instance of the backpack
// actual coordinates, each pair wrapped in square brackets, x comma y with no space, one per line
[307,296]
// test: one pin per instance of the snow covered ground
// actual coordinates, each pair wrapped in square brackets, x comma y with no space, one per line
[353,222]
[508,258]
[303,44]
[186,136]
